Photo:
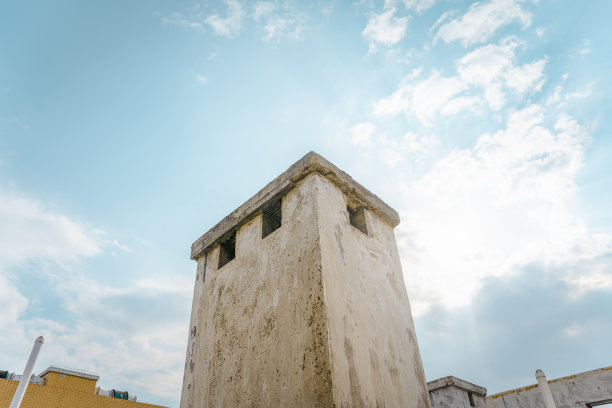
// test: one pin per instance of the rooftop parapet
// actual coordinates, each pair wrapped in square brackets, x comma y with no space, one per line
[70,371]
[456,382]
[357,195]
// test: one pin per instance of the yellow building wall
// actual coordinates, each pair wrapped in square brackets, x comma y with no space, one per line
[67,392]
[67,381]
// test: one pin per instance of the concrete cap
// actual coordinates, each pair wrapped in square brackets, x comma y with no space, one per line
[70,371]
[358,197]
[455,382]
[539,373]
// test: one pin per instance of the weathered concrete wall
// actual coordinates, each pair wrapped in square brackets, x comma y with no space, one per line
[572,391]
[374,352]
[191,358]
[454,397]
[261,327]
[314,315]
[453,392]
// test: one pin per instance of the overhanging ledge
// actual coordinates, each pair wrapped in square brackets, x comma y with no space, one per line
[358,197]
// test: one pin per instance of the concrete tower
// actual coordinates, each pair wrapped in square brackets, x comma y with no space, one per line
[299,301]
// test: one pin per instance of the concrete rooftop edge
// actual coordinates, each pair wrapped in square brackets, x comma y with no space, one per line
[70,371]
[568,377]
[358,197]
[457,382]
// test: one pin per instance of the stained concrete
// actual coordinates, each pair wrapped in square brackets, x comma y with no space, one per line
[313,315]
[261,328]
[453,392]
[357,195]
[573,391]
[374,352]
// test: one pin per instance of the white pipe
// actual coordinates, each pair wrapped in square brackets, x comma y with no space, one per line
[549,402]
[27,372]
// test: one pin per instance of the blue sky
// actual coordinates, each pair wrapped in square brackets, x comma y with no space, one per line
[128,129]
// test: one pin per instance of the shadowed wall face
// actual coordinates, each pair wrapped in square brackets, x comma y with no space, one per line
[261,330]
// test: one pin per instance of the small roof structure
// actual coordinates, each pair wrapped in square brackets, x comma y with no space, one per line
[70,371]
[451,381]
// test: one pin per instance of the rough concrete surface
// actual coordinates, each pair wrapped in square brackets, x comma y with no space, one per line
[573,391]
[261,328]
[374,353]
[313,315]
[453,392]
[312,162]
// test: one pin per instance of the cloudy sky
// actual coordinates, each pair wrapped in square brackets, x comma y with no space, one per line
[128,129]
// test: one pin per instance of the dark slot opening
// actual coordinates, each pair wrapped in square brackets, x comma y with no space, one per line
[271,218]
[227,250]
[471,397]
[358,219]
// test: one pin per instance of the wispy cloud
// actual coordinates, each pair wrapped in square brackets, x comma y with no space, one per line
[361,133]
[497,206]
[384,29]
[201,79]
[198,17]
[586,47]
[192,21]
[101,322]
[482,20]
[416,5]
[493,67]
[31,230]
[230,24]
[280,20]
[422,98]
[485,75]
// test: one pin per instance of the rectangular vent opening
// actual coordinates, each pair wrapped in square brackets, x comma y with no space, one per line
[357,219]
[227,250]
[271,218]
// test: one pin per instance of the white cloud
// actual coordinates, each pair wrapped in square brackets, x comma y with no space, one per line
[482,20]
[527,77]
[561,99]
[423,98]
[586,47]
[141,324]
[201,79]
[461,103]
[13,302]
[492,67]
[228,26]
[385,29]
[280,20]
[181,20]
[263,9]
[31,230]
[417,5]
[137,322]
[497,206]
[488,63]
[486,74]
[361,133]
[410,146]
